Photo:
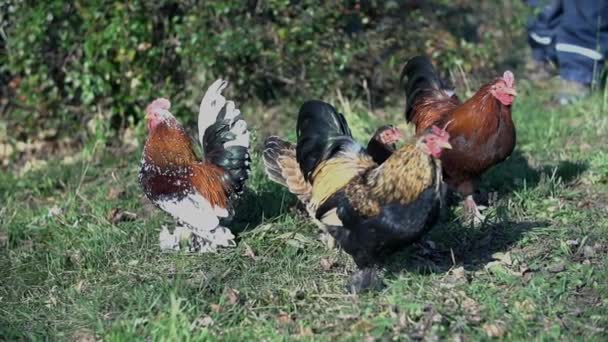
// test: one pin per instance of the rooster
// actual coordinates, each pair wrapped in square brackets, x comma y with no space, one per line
[371,210]
[282,167]
[482,130]
[197,193]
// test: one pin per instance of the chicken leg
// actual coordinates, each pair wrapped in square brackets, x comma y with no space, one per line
[473,210]
[365,279]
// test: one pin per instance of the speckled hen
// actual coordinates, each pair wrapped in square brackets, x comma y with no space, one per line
[370,209]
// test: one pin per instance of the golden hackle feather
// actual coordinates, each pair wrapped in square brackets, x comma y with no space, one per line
[169,145]
[401,178]
[335,173]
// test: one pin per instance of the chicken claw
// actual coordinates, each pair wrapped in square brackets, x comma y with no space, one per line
[328,240]
[473,211]
[367,279]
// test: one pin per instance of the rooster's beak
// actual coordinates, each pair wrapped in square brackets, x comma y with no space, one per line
[446,145]
[510,91]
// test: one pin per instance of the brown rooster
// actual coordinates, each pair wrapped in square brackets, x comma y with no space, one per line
[481,128]
[371,210]
[197,193]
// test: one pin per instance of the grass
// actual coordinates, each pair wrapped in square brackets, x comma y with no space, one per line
[76,264]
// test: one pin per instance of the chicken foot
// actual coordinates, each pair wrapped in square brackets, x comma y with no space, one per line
[473,210]
[365,279]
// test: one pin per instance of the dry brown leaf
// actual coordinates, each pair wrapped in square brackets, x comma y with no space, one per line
[248,252]
[305,332]
[504,258]
[456,276]
[588,252]
[557,267]
[216,308]
[80,285]
[83,335]
[205,321]
[117,215]
[233,296]
[327,264]
[472,309]
[116,193]
[496,329]
[362,326]
[55,211]
[285,318]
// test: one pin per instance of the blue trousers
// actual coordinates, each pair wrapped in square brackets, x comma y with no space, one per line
[573,34]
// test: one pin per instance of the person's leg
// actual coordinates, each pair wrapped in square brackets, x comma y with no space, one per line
[582,40]
[542,29]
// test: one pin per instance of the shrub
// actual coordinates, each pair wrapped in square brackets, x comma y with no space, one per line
[69,61]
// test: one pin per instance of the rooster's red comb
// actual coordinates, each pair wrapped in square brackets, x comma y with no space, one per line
[441,132]
[509,79]
[160,103]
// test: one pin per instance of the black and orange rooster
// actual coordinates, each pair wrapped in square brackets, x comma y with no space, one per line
[371,210]
[282,167]
[481,128]
[197,193]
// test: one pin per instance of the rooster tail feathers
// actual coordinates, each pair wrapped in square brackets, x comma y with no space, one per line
[322,132]
[282,168]
[274,148]
[224,135]
[419,77]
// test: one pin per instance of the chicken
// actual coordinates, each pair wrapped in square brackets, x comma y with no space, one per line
[282,167]
[371,210]
[199,194]
[482,130]
[383,143]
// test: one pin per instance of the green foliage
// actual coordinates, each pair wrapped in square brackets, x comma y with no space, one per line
[73,60]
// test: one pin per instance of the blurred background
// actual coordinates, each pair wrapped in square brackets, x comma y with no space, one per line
[72,71]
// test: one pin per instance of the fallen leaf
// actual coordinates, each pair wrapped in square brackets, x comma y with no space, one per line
[496,329]
[80,285]
[205,321]
[248,252]
[305,331]
[456,276]
[216,308]
[232,295]
[116,193]
[472,309]
[83,335]
[505,258]
[557,267]
[526,307]
[117,215]
[573,243]
[362,326]
[327,264]
[285,318]
[588,252]
[55,211]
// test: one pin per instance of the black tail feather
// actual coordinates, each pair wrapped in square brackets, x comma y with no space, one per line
[235,160]
[322,132]
[421,78]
